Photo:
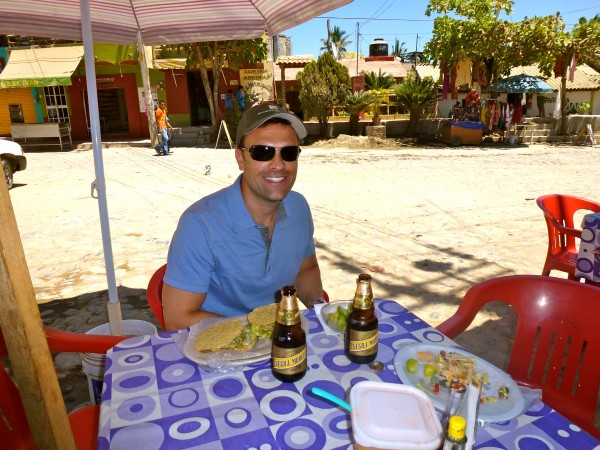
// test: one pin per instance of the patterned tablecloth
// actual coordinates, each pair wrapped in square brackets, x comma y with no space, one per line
[155,398]
[588,260]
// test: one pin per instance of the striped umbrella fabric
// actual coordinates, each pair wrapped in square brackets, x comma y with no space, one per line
[160,21]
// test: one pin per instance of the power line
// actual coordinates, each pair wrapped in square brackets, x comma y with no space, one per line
[369,18]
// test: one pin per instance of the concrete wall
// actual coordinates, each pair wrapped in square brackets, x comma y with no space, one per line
[433,127]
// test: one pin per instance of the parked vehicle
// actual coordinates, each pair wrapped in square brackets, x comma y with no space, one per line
[13,160]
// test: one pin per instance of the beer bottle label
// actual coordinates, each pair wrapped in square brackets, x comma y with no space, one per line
[288,316]
[363,343]
[289,361]
[363,302]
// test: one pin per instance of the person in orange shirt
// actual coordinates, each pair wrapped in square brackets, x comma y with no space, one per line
[163,124]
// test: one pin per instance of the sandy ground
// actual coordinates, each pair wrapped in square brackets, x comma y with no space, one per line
[427,222]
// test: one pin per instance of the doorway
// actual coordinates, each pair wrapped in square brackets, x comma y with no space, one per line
[199,109]
[112,109]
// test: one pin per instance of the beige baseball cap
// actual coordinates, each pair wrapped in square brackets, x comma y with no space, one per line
[259,114]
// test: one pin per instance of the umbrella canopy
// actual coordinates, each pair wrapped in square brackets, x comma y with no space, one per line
[160,22]
[147,22]
[522,84]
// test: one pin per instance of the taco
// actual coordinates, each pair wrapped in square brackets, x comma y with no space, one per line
[229,335]
[262,320]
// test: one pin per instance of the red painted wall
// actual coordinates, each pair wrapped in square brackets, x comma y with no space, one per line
[138,122]
[177,92]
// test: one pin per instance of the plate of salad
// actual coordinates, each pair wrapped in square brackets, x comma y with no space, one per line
[437,369]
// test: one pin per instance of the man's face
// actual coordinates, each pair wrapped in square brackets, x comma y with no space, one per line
[266,182]
[161,105]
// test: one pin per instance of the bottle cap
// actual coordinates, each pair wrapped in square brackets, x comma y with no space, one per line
[456,427]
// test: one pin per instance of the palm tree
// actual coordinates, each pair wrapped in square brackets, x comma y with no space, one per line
[399,49]
[416,95]
[356,103]
[338,40]
[374,81]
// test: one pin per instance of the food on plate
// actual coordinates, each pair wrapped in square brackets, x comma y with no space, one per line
[451,370]
[228,335]
[412,365]
[262,320]
[339,318]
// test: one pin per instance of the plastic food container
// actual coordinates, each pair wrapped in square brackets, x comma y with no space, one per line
[388,416]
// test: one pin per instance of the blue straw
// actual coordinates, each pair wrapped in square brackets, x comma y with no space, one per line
[338,401]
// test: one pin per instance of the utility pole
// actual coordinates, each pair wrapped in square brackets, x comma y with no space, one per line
[416,49]
[357,47]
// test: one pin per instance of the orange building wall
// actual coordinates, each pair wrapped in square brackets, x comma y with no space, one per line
[18,96]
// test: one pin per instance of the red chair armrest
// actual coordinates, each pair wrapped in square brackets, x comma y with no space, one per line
[64,341]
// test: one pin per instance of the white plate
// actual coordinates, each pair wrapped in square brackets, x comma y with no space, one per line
[499,411]
[225,359]
[331,308]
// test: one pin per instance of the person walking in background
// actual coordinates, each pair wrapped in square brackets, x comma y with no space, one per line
[541,101]
[162,121]
[240,97]
[229,99]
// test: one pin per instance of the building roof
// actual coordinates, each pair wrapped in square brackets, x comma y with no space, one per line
[294,60]
[394,68]
[427,70]
[585,79]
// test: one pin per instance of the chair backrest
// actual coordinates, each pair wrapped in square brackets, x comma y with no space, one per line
[154,294]
[559,211]
[14,427]
[557,342]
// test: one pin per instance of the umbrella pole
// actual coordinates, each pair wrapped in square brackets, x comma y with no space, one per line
[114,307]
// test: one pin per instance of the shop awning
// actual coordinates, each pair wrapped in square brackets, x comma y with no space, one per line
[37,67]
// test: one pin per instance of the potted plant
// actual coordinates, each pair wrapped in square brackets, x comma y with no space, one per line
[378,97]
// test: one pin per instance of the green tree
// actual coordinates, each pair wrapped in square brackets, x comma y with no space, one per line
[323,85]
[336,43]
[375,81]
[213,55]
[399,49]
[355,103]
[416,95]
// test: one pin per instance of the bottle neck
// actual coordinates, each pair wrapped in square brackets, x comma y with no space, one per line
[288,313]
[363,298]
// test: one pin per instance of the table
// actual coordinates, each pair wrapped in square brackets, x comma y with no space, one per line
[462,133]
[155,398]
[588,258]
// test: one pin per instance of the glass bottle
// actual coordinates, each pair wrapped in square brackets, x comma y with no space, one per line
[288,356]
[455,438]
[362,333]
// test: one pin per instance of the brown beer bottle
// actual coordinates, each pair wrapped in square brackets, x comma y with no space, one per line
[288,356]
[361,330]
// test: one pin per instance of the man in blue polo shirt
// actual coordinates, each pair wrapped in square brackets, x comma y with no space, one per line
[235,249]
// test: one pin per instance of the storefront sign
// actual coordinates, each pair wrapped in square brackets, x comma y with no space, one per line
[105,80]
[258,83]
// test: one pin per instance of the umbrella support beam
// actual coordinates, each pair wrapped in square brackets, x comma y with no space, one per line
[21,325]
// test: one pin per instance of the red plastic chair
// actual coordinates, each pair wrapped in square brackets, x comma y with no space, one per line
[559,211]
[154,294]
[557,342]
[14,427]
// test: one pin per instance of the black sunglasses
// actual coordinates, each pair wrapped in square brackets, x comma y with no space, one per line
[266,152]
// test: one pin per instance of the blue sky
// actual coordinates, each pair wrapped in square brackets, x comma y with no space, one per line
[406,20]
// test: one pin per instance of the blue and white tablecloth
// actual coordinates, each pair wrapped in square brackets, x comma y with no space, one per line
[155,398]
[588,259]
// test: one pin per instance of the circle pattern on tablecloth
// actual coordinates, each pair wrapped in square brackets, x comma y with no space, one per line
[135,381]
[585,265]
[350,379]
[388,329]
[587,235]
[134,341]
[338,425]
[337,360]
[178,373]
[282,405]
[136,409]
[528,442]
[227,388]
[302,434]
[133,359]
[238,417]
[183,398]
[189,428]
[169,352]
[390,307]
[147,436]
[264,379]
[322,340]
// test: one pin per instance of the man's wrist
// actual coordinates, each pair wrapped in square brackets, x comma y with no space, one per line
[311,302]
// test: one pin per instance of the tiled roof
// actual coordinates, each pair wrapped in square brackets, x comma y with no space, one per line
[427,70]
[586,78]
[301,60]
[394,68]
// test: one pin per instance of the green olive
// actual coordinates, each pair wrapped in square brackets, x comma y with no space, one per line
[412,365]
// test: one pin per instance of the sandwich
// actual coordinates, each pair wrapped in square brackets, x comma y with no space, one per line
[262,320]
[229,335]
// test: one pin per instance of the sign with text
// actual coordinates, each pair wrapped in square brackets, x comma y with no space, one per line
[258,83]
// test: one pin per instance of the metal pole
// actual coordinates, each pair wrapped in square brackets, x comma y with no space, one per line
[357,47]
[114,309]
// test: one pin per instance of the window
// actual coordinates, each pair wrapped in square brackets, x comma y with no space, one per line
[56,104]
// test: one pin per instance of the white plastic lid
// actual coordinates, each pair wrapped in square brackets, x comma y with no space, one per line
[393,416]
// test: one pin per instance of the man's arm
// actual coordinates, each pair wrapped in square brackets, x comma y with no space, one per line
[308,281]
[181,309]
